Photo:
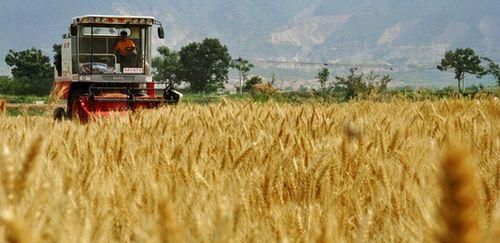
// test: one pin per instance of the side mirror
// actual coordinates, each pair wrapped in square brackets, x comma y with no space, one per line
[73,30]
[161,33]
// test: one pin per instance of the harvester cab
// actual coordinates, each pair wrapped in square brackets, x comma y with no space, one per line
[105,66]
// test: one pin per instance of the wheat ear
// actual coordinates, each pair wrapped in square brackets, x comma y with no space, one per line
[459,202]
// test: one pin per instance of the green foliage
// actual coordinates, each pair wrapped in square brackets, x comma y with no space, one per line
[449,92]
[31,70]
[205,66]
[323,76]
[6,85]
[28,111]
[166,67]
[23,99]
[462,61]
[493,69]
[337,95]
[361,84]
[243,66]
[303,88]
[251,82]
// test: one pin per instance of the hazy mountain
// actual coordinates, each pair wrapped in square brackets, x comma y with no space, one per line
[392,32]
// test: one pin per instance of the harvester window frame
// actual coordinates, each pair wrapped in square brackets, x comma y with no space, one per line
[118,31]
[147,50]
[142,42]
[75,62]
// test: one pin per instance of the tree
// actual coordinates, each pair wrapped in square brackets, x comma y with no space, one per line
[355,84]
[167,66]
[6,85]
[31,71]
[205,66]
[323,76]
[251,82]
[463,62]
[243,66]
[493,69]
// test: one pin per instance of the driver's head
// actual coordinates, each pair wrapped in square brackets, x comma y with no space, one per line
[123,34]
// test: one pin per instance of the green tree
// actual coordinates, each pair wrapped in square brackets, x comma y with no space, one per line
[493,69]
[6,85]
[463,62]
[243,66]
[166,67]
[323,76]
[205,66]
[251,82]
[31,71]
[359,84]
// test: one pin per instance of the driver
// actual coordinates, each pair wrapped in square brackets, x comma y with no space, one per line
[125,48]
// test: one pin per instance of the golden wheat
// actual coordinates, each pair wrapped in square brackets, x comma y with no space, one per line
[250,172]
[3,106]
[459,199]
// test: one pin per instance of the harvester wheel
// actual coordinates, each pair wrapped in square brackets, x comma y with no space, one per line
[73,103]
[172,96]
[59,114]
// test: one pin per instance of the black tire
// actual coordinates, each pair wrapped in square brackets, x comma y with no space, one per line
[73,98]
[171,96]
[59,114]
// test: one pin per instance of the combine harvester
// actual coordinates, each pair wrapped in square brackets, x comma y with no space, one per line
[105,66]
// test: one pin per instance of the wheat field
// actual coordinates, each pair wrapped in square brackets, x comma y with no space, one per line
[256,172]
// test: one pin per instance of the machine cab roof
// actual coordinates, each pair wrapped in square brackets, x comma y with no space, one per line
[114,19]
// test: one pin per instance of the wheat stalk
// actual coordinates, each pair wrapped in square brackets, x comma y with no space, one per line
[169,228]
[28,166]
[3,106]
[459,202]
[16,232]
[253,172]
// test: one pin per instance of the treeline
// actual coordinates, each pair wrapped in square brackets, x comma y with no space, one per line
[197,67]
[203,67]
[462,62]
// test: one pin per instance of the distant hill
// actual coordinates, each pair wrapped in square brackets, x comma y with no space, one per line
[391,32]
